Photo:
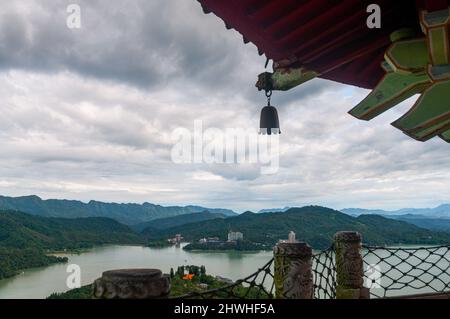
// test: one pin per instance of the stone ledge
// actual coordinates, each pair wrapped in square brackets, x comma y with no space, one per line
[132,284]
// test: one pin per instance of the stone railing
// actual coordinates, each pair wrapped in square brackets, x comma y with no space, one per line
[293,274]
[132,284]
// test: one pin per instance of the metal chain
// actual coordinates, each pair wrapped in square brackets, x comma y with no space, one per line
[269,96]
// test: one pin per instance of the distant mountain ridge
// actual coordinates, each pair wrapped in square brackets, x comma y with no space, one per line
[274,210]
[442,211]
[169,222]
[436,224]
[313,224]
[129,214]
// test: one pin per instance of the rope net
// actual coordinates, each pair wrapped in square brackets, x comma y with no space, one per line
[259,285]
[324,273]
[390,272]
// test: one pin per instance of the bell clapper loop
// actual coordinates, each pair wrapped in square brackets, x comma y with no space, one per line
[268,95]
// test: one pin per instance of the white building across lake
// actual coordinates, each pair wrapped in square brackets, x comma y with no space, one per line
[235,236]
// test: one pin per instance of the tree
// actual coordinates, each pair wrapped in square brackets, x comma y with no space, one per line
[180,271]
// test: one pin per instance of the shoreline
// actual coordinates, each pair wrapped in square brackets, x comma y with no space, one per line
[61,254]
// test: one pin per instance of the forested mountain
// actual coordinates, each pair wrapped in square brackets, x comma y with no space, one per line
[20,230]
[437,212]
[169,222]
[315,225]
[437,224]
[13,260]
[274,210]
[24,239]
[129,214]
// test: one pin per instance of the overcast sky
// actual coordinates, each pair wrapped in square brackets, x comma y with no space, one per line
[89,114]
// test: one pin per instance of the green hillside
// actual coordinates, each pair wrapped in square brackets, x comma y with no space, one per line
[12,260]
[170,222]
[436,224]
[315,225]
[20,230]
[24,239]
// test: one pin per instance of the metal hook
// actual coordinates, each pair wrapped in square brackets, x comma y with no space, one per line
[268,95]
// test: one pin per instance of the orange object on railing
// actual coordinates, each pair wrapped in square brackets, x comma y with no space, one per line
[188,277]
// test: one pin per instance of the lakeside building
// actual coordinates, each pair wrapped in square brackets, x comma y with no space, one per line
[291,239]
[209,240]
[235,236]
[176,240]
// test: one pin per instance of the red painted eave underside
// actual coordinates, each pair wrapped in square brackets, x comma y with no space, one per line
[327,36]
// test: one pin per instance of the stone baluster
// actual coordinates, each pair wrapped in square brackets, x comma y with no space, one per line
[293,271]
[349,266]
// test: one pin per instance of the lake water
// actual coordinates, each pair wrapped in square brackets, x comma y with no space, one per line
[41,282]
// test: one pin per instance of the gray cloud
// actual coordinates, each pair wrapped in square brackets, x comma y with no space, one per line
[89,114]
[147,44]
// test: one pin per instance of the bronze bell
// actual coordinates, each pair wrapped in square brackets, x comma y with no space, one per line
[270,123]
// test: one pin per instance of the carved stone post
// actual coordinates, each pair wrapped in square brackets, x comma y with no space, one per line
[349,266]
[132,284]
[293,271]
